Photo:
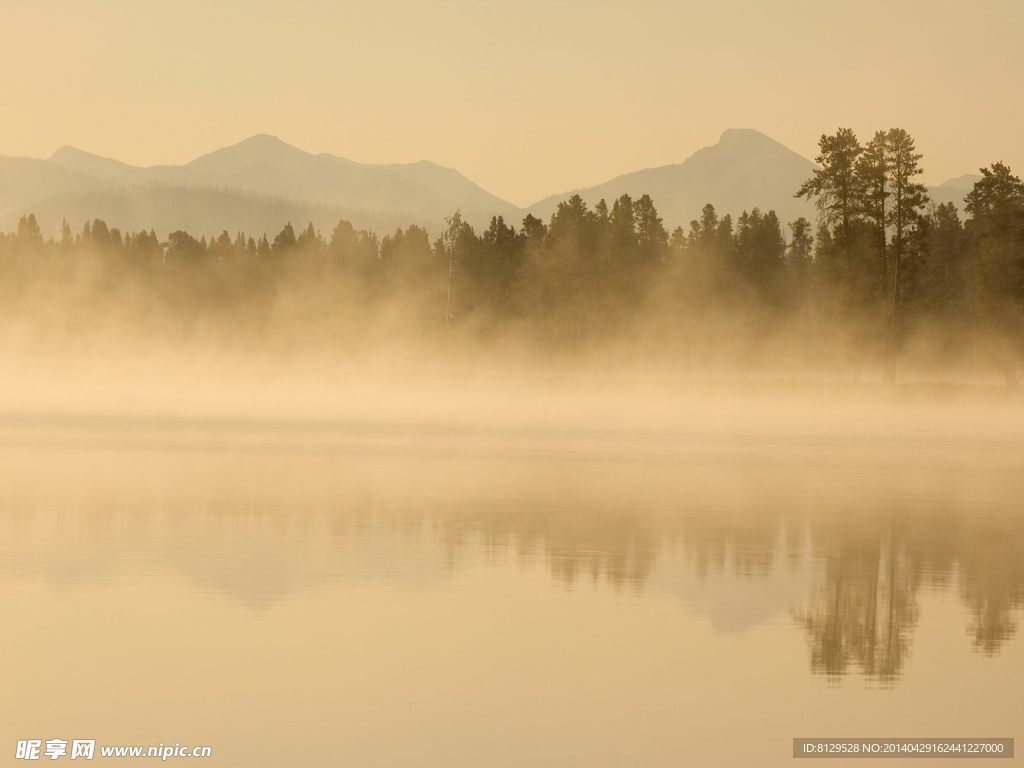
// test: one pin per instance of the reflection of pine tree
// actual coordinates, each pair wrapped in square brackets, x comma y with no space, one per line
[618,548]
[864,607]
[992,585]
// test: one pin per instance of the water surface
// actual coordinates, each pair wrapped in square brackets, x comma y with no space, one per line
[413,595]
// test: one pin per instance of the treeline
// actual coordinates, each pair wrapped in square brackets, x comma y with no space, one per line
[884,277]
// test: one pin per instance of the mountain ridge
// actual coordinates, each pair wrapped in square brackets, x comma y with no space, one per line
[262,178]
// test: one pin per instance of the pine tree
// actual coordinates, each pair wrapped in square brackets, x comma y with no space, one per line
[873,178]
[908,198]
[835,186]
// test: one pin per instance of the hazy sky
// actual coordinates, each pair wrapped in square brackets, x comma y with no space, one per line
[527,97]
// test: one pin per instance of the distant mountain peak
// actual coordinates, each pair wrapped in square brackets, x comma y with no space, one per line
[263,139]
[749,139]
[261,142]
[105,168]
[745,169]
[743,134]
[67,152]
[260,148]
[965,182]
[427,164]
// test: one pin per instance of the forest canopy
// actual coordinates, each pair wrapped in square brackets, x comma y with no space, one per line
[885,280]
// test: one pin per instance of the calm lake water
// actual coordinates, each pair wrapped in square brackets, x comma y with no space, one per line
[352,595]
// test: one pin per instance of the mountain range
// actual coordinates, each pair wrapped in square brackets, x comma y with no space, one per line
[261,183]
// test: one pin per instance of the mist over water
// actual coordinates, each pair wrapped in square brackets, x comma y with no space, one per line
[248,503]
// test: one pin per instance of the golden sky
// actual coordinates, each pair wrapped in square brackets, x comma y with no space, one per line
[526,98]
